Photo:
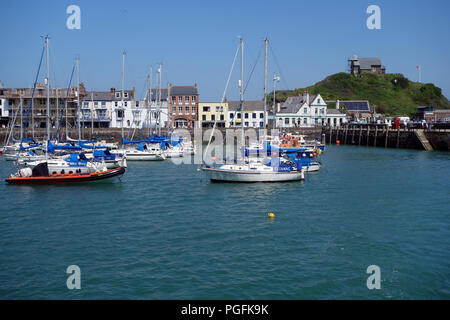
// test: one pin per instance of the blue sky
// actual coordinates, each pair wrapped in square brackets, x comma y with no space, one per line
[196,41]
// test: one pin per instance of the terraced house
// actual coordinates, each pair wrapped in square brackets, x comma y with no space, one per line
[183,106]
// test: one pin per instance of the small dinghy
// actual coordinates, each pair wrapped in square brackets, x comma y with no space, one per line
[40,175]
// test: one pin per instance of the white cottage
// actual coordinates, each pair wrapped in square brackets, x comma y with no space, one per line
[302,111]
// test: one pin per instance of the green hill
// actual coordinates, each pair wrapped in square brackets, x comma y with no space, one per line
[392,94]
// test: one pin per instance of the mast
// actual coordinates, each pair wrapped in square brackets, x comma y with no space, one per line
[123,90]
[48,87]
[266,42]
[275,79]
[149,111]
[159,100]
[241,84]
[32,116]
[78,99]
[92,115]
[21,119]
[57,113]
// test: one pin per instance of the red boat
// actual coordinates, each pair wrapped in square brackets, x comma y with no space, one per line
[40,175]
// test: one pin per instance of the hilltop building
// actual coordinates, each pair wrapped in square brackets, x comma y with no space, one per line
[359,65]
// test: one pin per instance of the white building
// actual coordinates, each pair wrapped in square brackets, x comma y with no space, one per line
[302,111]
[252,115]
[335,118]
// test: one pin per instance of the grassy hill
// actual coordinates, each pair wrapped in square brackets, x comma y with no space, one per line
[392,94]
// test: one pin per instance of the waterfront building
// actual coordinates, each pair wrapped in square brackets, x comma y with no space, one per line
[159,108]
[335,118]
[251,117]
[210,112]
[302,111]
[4,110]
[356,110]
[358,65]
[96,109]
[183,106]
[15,99]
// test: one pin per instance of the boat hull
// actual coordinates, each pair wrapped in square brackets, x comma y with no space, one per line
[219,175]
[67,178]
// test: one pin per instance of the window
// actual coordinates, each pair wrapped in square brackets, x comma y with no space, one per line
[204,117]
[193,99]
[193,109]
[103,103]
[316,111]
[261,124]
[246,115]
[126,104]
[180,110]
[186,110]
[206,109]
[119,113]
[286,121]
[137,104]
[261,115]
[116,104]
[222,117]
[117,94]
[125,94]
[180,100]
[231,115]
[305,110]
[318,101]
[246,123]
[254,115]
[186,100]
[239,116]
[174,100]
[213,117]
[305,121]
[128,123]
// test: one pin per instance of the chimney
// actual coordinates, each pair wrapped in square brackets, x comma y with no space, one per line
[278,107]
[337,104]
[306,97]
[113,90]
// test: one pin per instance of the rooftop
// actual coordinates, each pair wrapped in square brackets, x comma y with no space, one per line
[255,105]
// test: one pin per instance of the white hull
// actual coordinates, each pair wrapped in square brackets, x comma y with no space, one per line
[248,176]
[144,156]
[312,167]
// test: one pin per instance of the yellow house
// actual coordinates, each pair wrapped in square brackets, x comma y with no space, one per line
[210,112]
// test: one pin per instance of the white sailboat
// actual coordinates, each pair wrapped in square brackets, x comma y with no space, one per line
[275,170]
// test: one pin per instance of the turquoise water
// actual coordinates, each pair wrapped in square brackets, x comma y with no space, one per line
[163,232]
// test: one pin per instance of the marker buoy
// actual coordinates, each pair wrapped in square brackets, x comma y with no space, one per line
[338,142]
[271,215]
[213,159]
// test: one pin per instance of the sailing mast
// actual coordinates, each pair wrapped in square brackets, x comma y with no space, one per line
[92,115]
[78,99]
[149,97]
[266,42]
[57,113]
[241,85]
[123,90]
[159,100]
[21,119]
[48,88]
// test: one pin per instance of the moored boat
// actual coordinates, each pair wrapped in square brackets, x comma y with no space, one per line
[40,175]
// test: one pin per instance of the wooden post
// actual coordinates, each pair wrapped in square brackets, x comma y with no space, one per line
[375,138]
[387,135]
[331,130]
[353,135]
[368,133]
[398,137]
[345,134]
[360,134]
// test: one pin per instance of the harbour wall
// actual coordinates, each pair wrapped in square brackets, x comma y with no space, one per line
[362,135]
[384,137]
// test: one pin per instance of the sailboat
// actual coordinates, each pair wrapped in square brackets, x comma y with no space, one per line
[275,169]
[75,168]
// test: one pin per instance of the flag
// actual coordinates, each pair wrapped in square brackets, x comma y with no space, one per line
[417,67]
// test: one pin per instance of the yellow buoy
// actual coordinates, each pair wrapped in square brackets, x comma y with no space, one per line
[271,215]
